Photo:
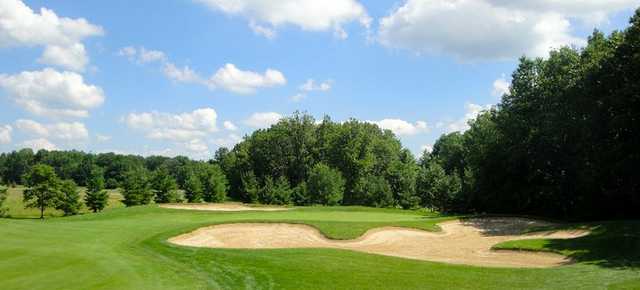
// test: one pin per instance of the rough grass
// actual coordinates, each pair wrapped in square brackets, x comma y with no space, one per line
[126,248]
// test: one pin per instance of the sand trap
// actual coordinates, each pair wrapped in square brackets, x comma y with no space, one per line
[221,207]
[461,242]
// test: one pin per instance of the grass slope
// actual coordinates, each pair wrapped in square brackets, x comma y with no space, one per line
[126,248]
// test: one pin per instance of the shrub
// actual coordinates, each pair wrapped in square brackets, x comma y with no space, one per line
[325,185]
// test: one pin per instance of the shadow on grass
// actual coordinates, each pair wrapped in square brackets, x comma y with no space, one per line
[610,245]
[614,244]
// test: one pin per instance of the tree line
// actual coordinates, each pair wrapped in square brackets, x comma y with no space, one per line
[563,142]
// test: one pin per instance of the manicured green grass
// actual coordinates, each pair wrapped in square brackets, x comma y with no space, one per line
[126,248]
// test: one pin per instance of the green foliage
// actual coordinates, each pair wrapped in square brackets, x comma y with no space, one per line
[193,189]
[68,200]
[250,187]
[165,187]
[326,185]
[214,183]
[374,191]
[96,197]
[278,192]
[136,188]
[43,188]
[300,194]
[3,197]
[436,189]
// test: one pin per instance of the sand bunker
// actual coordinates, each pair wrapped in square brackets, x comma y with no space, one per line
[221,207]
[461,242]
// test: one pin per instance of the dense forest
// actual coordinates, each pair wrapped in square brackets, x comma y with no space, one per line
[563,142]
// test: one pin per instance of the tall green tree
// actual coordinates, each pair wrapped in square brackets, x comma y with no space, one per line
[165,187]
[96,197]
[3,197]
[193,189]
[43,188]
[68,200]
[214,183]
[137,188]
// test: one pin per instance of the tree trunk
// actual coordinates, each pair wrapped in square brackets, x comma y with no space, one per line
[42,212]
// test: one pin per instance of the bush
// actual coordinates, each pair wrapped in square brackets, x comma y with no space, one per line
[374,190]
[68,199]
[325,185]
[300,194]
[436,189]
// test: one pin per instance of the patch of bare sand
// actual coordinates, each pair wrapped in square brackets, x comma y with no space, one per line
[460,242]
[220,207]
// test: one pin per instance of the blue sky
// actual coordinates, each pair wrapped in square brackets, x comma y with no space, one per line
[185,77]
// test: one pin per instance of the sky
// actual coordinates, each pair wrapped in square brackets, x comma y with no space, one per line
[185,77]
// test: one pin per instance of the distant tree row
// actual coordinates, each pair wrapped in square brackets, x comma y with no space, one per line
[303,162]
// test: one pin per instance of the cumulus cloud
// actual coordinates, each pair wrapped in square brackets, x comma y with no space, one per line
[402,127]
[61,37]
[500,87]
[472,111]
[40,143]
[230,126]
[51,93]
[263,120]
[5,134]
[228,141]
[311,15]
[309,86]
[239,81]
[426,148]
[174,127]
[74,131]
[489,29]
[229,77]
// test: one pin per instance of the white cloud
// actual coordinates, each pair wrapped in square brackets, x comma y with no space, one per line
[102,138]
[230,126]
[309,15]
[489,29]
[5,134]
[228,77]
[267,32]
[238,81]
[500,87]
[51,93]
[196,145]
[40,143]
[472,111]
[183,75]
[228,141]
[263,120]
[61,36]
[174,127]
[401,127]
[73,131]
[310,85]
